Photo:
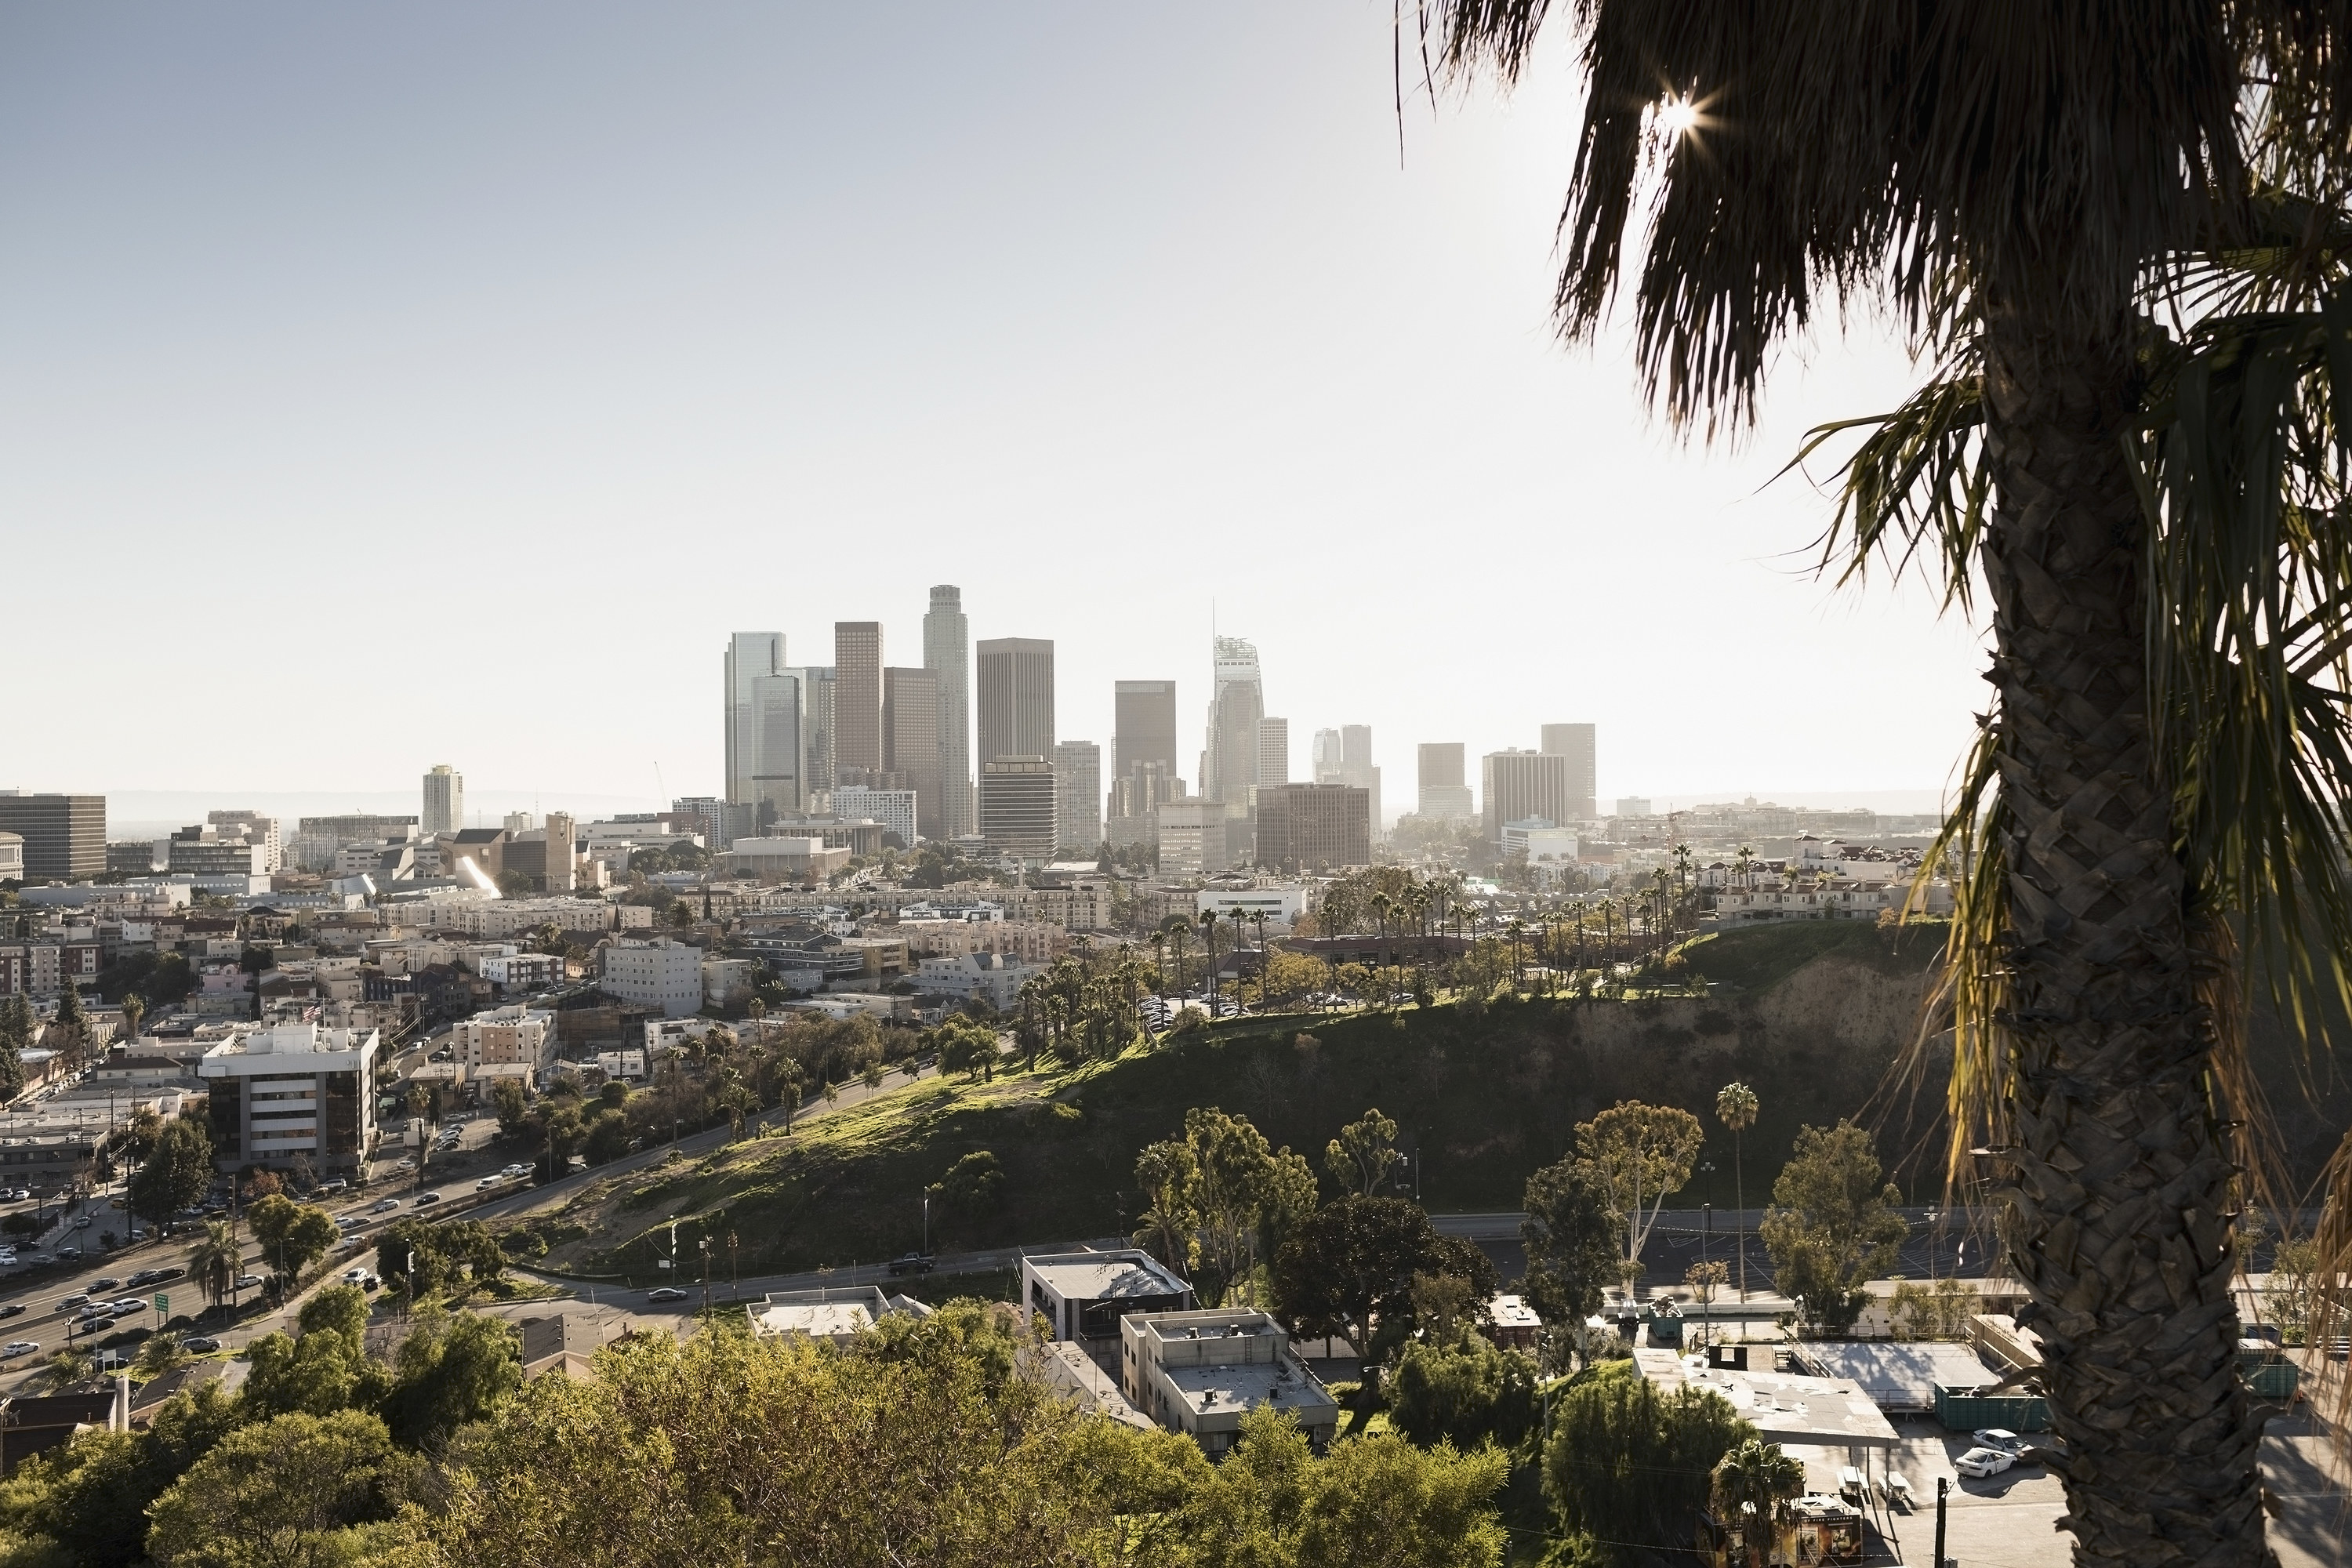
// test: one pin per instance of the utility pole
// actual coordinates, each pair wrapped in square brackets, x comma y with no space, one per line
[1943,1487]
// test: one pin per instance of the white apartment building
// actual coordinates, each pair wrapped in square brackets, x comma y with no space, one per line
[523,971]
[1032,942]
[1200,1372]
[12,858]
[505,1036]
[657,973]
[992,975]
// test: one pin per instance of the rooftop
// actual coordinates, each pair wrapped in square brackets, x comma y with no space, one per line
[1898,1376]
[1104,1276]
[1246,1386]
[292,1039]
[1821,1412]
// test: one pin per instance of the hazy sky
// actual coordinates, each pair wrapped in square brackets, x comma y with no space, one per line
[390,384]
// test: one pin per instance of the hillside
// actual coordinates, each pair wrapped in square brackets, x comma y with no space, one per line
[1810,1018]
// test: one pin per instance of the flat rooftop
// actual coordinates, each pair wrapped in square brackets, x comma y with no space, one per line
[1104,1276]
[1232,1389]
[1783,1407]
[1897,1377]
[820,1314]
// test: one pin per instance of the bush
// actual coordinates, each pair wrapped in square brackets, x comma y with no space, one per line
[1465,1393]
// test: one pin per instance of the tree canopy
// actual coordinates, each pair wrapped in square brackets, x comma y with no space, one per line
[1833,1223]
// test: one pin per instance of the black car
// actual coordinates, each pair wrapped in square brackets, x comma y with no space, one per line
[12,1308]
[200,1345]
[429,1198]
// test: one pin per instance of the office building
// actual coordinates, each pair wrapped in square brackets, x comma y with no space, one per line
[64,834]
[899,811]
[750,656]
[292,1088]
[562,852]
[11,857]
[200,851]
[445,801]
[1273,751]
[1444,793]
[1144,727]
[1078,795]
[1634,806]
[764,745]
[787,859]
[947,651]
[1229,766]
[1344,756]
[1314,826]
[1521,786]
[818,773]
[1191,838]
[1129,811]
[857,699]
[1015,685]
[657,973]
[515,1036]
[253,828]
[910,743]
[1576,742]
[1016,804]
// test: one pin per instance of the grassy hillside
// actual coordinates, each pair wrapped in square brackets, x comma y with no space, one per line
[1487,1095]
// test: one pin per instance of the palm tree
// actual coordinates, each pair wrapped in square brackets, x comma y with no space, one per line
[2119,229]
[1735,1107]
[1756,1476]
[217,1260]
[1209,939]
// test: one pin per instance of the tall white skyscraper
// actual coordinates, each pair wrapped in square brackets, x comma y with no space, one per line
[1273,751]
[445,800]
[946,649]
[1236,704]
[1078,795]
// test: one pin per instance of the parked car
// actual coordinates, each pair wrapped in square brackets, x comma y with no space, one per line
[1981,1462]
[20,1347]
[200,1345]
[666,1293]
[2001,1437]
[429,1198]
[337,1186]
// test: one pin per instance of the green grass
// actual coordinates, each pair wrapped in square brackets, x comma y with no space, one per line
[1758,957]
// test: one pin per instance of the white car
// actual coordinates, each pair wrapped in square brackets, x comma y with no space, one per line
[487,1183]
[383,1205]
[1981,1462]
[20,1347]
[2001,1437]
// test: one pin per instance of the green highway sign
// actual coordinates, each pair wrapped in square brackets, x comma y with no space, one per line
[163,1307]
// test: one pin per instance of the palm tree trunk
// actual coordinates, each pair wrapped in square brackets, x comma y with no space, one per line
[2119,1210]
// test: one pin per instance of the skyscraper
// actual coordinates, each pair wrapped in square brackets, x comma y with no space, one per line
[1344,756]
[750,656]
[1237,701]
[1016,805]
[946,649]
[1577,743]
[445,800]
[910,742]
[856,701]
[1444,794]
[1273,751]
[64,834]
[817,771]
[1314,826]
[562,851]
[1078,795]
[1016,698]
[1145,726]
[1520,786]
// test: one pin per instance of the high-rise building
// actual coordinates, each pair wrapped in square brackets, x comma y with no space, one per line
[1236,704]
[946,649]
[64,834]
[1576,742]
[1129,811]
[1144,726]
[893,808]
[1444,793]
[1017,803]
[1191,837]
[1078,795]
[857,699]
[1344,756]
[562,851]
[1016,698]
[1522,786]
[750,656]
[817,770]
[910,743]
[1273,751]
[445,800]
[1314,826]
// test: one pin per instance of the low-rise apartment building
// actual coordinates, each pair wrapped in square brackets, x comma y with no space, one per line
[1032,942]
[992,977]
[292,1088]
[659,974]
[1200,1372]
[505,1036]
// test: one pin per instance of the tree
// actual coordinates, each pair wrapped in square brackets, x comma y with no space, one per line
[134,1010]
[88,1499]
[327,1369]
[217,1260]
[1833,1224]
[1465,1390]
[177,1174]
[965,1045]
[1629,1466]
[1735,1107]
[1570,1237]
[293,1236]
[1364,1155]
[16,1026]
[1239,1195]
[68,1033]
[1347,1269]
[2113,256]
[973,1186]
[1755,1478]
[1639,1153]
[451,1371]
[512,1107]
[284,1493]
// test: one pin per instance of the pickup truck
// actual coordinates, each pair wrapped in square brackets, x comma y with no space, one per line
[911,1263]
